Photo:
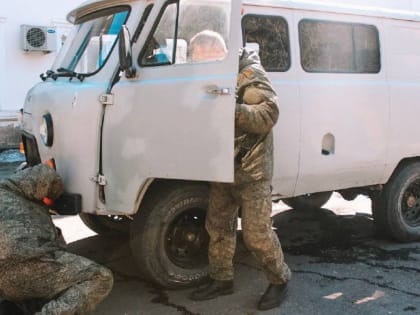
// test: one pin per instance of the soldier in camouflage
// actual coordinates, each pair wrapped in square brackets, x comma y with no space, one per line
[256,114]
[34,266]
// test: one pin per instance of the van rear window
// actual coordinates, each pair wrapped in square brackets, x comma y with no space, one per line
[336,47]
[270,36]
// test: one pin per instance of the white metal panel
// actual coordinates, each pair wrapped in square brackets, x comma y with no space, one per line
[403,62]
[354,109]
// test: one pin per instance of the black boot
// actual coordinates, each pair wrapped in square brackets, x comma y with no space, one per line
[212,290]
[273,296]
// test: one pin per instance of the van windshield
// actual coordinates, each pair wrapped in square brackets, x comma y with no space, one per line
[91,41]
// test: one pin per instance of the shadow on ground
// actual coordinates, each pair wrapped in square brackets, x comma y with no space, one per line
[315,244]
[320,234]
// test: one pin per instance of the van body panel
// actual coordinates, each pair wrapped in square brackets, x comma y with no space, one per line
[352,109]
[359,125]
[287,136]
[287,131]
[75,149]
[403,62]
[167,124]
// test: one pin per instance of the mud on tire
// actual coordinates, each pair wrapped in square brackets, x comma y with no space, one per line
[167,237]
[396,210]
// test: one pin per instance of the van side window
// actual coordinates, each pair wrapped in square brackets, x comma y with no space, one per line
[270,36]
[327,46]
[178,23]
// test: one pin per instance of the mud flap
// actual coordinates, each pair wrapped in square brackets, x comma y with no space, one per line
[68,204]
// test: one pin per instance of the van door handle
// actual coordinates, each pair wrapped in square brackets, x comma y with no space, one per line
[215,90]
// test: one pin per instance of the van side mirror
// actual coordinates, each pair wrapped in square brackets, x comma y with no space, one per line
[125,54]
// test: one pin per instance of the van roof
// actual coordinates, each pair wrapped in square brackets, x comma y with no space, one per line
[339,7]
[90,6]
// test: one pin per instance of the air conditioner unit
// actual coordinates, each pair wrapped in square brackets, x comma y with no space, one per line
[38,38]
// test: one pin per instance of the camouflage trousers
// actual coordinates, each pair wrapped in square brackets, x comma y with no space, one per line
[255,201]
[69,283]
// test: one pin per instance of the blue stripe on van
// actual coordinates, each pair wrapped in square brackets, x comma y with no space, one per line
[190,78]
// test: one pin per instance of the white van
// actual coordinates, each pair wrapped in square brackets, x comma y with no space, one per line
[137,130]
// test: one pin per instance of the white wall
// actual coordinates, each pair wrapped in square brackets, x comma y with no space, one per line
[20,70]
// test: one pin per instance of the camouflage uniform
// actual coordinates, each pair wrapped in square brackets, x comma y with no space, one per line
[256,114]
[32,262]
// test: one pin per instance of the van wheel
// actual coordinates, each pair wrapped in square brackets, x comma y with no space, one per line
[396,210]
[106,224]
[168,238]
[308,201]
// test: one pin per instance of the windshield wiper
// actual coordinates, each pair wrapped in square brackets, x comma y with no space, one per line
[64,72]
[46,75]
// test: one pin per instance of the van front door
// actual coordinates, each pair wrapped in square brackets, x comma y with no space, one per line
[176,118]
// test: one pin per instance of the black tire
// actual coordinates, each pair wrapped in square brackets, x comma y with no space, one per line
[167,237]
[396,210]
[308,201]
[106,224]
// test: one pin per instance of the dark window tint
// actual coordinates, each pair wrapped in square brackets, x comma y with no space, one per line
[270,35]
[339,47]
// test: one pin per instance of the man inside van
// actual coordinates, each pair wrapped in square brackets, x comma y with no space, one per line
[255,115]
[37,274]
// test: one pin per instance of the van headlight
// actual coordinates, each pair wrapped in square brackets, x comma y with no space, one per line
[46,130]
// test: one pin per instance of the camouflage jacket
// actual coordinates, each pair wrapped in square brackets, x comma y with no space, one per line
[26,228]
[256,114]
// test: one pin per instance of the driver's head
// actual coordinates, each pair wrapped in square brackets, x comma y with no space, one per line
[38,182]
[206,46]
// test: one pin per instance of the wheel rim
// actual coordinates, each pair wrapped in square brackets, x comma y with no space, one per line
[186,240]
[410,204]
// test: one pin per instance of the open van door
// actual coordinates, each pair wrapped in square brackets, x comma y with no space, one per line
[175,119]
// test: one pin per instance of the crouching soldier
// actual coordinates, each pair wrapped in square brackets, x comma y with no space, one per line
[33,265]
